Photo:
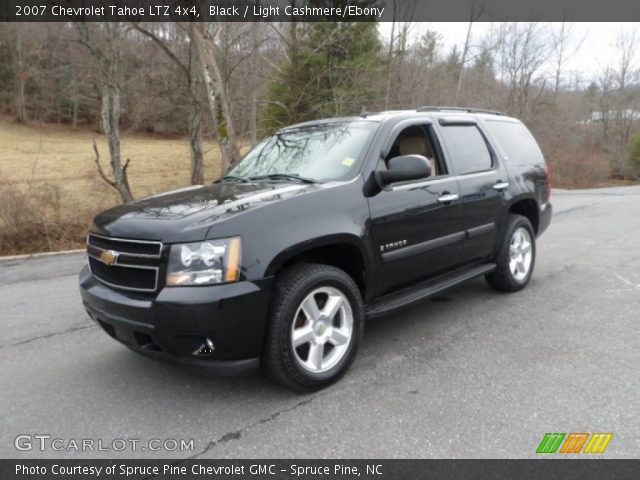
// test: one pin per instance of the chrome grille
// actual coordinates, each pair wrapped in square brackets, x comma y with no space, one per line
[125,263]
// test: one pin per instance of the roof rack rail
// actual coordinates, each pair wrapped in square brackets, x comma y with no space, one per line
[459,109]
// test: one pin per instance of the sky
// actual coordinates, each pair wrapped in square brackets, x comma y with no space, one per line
[593,44]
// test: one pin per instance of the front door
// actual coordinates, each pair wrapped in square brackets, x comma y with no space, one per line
[416,226]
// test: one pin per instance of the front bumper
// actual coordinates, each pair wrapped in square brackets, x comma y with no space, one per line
[175,324]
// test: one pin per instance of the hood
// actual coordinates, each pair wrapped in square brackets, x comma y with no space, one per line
[187,214]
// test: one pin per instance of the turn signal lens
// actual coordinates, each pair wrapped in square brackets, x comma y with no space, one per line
[233,264]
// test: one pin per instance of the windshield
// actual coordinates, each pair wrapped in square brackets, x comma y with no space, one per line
[320,153]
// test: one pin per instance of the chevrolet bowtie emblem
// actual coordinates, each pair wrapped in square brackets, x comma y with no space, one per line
[108,257]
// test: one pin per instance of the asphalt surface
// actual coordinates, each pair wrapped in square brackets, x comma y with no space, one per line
[469,374]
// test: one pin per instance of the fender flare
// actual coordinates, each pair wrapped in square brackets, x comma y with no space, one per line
[324,241]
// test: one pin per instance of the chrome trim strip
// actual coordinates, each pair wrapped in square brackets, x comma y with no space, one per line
[123,287]
[422,247]
[440,178]
[117,239]
[424,183]
[126,265]
[119,252]
[474,174]
[480,230]
[120,287]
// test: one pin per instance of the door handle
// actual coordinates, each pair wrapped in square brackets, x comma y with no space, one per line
[501,186]
[448,197]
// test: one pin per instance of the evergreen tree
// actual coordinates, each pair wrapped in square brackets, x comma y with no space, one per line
[332,70]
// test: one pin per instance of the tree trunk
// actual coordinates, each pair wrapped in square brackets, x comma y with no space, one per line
[195,144]
[387,94]
[463,60]
[75,112]
[213,110]
[111,125]
[107,55]
[195,121]
[21,104]
[253,120]
[216,96]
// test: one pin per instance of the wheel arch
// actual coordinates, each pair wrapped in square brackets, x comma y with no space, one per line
[347,252]
[527,207]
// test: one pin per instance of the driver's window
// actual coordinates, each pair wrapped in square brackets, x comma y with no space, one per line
[415,140]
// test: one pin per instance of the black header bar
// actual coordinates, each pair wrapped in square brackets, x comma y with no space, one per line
[318,10]
[194,469]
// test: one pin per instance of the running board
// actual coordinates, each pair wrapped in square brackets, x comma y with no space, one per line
[409,295]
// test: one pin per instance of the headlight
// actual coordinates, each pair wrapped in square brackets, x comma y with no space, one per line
[204,263]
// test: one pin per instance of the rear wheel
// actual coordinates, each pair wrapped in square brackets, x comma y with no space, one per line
[315,327]
[516,256]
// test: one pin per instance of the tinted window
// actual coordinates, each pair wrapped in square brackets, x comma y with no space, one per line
[518,144]
[415,140]
[468,149]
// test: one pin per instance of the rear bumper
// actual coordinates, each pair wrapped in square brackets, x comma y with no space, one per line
[546,212]
[175,324]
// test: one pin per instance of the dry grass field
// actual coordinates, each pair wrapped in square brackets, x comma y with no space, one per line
[50,189]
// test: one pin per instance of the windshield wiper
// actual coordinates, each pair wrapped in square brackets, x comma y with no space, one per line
[236,178]
[284,176]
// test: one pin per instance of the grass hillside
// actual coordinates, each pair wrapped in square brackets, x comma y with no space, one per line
[50,189]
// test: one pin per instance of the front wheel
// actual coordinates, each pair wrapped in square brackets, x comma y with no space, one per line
[315,326]
[516,256]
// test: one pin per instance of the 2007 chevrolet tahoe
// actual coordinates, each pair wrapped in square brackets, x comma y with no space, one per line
[321,225]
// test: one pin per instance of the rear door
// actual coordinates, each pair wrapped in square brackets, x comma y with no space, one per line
[482,181]
[416,226]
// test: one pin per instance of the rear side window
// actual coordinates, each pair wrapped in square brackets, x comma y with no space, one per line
[516,141]
[468,148]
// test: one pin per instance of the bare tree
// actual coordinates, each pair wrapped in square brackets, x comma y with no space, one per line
[255,52]
[619,101]
[28,45]
[204,43]
[521,54]
[474,15]
[396,54]
[187,68]
[104,45]
[21,106]
[562,40]
[392,39]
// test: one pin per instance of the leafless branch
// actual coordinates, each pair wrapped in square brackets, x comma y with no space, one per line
[99,166]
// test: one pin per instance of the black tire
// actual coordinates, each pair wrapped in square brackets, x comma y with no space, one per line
[502,278]
[292,286]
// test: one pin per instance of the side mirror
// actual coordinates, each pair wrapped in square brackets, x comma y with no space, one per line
[405,168]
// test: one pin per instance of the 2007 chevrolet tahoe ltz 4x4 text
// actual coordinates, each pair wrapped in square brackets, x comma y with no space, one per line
[321,225]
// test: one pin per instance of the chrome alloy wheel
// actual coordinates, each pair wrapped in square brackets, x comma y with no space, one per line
[520,254]
[322,329]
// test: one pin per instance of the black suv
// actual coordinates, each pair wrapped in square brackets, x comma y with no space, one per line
[278,263]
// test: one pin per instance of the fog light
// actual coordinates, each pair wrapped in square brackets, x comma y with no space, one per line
[207,348]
